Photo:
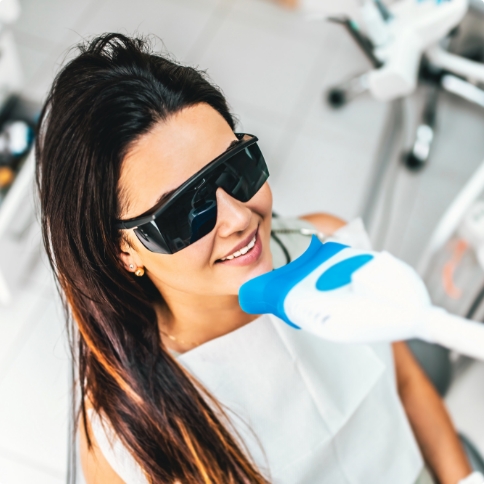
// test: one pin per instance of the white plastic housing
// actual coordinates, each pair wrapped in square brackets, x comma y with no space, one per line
[417,27]
[385,301]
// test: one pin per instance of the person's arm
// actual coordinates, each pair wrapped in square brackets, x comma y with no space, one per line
[324,222]
[94,465]
[429,420]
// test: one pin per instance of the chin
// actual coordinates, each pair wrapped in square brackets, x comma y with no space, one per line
[236,283]
[263,268]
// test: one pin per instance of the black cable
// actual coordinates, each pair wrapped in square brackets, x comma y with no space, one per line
[363,42]
[475,304]
[282,246]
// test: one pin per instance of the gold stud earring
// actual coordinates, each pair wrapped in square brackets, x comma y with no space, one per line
[140,272]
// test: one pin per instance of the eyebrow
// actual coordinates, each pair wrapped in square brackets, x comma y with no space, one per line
[167,194]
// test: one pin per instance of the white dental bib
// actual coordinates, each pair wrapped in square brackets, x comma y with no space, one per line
[320,412]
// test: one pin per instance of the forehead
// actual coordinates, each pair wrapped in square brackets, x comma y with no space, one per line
[169,154]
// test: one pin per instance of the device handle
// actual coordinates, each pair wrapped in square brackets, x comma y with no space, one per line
[453,332]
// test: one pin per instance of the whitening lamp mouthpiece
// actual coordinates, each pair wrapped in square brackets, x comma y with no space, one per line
[348,295]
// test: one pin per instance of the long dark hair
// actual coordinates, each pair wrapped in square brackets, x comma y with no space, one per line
[100,103]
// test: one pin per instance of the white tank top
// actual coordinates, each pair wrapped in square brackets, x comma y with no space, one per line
[309,411]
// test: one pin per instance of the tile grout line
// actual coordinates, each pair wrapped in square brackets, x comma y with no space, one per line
[213,25]
[88,12]
[294,125]
[54,58]
[32,41]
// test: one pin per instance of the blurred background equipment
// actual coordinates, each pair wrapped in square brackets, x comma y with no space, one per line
[17,121]
[407,41]
[396,37]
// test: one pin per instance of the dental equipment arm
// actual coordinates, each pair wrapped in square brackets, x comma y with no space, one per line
[400,35]
[347,295]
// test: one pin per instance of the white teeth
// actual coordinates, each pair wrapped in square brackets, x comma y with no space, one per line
[242,251]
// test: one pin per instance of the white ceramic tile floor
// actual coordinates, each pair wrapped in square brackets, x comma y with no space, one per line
[457,152]
[16,324]
[15,470]
[323,174]
[270,134]
[459,144]
[31,60]
[274,68]
[349,136]
[52,20]
[238,58]
[423,215]
[287,22]
[363,117]
[34,394]
[178,24]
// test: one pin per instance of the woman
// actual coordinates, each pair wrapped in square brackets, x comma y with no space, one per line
[154,213]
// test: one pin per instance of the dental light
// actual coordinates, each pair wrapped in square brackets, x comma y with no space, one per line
[347,295]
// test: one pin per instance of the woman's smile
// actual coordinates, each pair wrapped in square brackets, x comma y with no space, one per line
[244,253]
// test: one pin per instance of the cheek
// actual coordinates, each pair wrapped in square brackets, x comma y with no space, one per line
[179,268]
[261,202]
[184,271]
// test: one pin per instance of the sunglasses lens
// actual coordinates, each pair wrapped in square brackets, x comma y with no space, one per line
[193,214]
[150,236]
[244,174]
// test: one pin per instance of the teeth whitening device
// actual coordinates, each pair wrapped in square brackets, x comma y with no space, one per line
[347,295]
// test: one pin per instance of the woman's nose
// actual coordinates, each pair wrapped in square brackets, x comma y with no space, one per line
[232,215]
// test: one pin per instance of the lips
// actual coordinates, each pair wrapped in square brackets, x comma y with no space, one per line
[248,259]
[242,249]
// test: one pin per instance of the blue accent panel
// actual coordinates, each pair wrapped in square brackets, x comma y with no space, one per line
[266,294]
[340,274]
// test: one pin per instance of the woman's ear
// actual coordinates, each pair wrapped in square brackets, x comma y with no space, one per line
[128,255]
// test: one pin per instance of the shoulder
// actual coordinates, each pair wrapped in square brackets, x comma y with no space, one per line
[324,222]
[95,466]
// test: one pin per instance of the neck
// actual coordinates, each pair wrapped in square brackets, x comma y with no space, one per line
[187,321]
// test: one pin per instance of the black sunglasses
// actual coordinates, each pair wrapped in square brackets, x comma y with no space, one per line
[190,212]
